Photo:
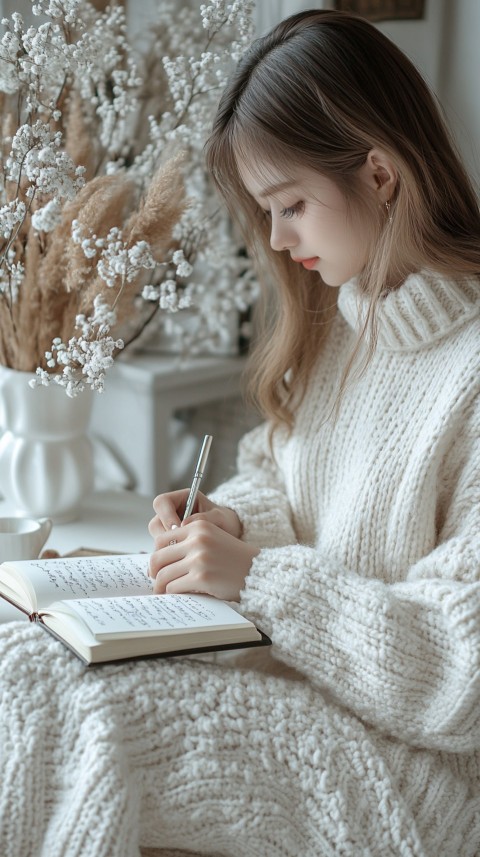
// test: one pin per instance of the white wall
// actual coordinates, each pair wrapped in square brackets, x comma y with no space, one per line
[22,6]
[460,78]
[270,12]
[445,48]
[421,39]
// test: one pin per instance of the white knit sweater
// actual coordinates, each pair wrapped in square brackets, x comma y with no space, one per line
[358,733]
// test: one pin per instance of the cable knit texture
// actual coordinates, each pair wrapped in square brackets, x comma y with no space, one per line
[358,733]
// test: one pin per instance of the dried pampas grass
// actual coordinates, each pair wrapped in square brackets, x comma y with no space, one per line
[160,208]
[153,221]
[79,141]
[61,282]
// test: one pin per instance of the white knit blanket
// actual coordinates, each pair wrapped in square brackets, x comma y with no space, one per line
[183,755]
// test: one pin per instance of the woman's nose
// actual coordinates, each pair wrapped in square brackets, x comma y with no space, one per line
[282,235]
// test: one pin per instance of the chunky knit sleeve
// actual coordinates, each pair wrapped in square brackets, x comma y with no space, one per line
[257,494]
[403,656]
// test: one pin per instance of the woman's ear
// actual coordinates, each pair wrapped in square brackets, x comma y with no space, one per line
[380,174]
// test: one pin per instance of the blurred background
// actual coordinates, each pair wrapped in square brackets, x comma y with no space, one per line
[443,43]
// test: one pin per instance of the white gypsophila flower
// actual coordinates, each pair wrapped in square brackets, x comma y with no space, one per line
[35,153]
[35,43]
[86,361]
[11,278]
[111,81]
[168,299]
[42,64]
[11,215]
[53,172]
[113,263]
[77,231]
[238,15]
[90,243]
[89,248]
[184,268]
[42,378]
[150,293]
[92,51]
[117,261]
[66,10]
[140,256]
[45,219]
[185,300]
[103,314]
[85,358]
[10,45]
[195,77]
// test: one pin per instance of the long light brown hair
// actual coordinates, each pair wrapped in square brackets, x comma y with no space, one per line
[321,90]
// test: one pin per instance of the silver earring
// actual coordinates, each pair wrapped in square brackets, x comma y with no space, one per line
[388,207]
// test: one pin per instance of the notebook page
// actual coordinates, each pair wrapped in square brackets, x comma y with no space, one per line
[147,614]
[87,577]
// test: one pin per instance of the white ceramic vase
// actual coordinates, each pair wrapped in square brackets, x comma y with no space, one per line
[46,457]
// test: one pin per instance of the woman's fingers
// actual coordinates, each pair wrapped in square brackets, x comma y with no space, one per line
[166,553]
[225,519]
[170,507]
[169,564]
[169,511]
[171,579]
[204,558]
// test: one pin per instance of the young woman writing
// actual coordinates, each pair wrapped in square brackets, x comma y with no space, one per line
[350,534]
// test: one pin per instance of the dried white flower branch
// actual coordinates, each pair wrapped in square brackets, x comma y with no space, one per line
[96,236]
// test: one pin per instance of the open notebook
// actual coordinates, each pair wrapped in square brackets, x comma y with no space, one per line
[103,609]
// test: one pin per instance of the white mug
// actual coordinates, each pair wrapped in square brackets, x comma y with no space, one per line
[23,538]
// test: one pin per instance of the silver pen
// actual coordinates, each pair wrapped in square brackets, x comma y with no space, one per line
[197,478]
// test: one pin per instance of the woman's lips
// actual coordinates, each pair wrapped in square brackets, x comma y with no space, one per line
[307,263]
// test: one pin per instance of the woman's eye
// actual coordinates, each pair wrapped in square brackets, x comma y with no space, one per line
[292,210]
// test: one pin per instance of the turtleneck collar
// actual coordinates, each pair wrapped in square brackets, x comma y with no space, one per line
[424,309]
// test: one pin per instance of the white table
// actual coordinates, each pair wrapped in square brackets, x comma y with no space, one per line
[109,521]
[133,416]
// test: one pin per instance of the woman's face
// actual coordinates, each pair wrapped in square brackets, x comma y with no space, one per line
[311,220]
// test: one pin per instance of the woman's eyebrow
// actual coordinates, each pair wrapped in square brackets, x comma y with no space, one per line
[275,188]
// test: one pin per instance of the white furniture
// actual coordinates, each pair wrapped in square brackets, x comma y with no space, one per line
[133,416]
[109,520]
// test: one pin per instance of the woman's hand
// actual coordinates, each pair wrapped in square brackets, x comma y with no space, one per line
[169,508]
[203,558]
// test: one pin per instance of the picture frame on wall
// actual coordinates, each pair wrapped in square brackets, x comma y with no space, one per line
[383,10]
